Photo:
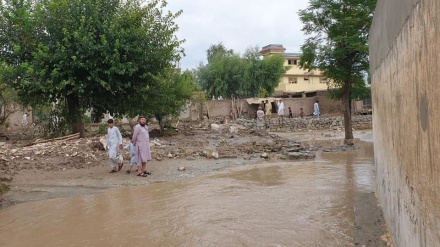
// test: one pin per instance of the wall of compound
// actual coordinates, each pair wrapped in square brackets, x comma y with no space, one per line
[405,68]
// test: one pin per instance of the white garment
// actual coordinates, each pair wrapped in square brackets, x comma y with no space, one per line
[281,108]
[260,114]
[114,139]
[316,109]
[260,119]
[132,149]
[24,120]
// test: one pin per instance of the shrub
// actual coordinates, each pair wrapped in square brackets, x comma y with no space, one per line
[103,129]
[3,188]
[86,119]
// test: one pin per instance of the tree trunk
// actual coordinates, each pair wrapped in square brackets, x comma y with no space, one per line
[76,115]
[161,121]
[347,113]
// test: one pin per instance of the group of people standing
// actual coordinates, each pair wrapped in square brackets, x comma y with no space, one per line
[139,147]
[266,107]
[265,111]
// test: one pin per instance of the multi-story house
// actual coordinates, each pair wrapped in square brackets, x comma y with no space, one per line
[296,82]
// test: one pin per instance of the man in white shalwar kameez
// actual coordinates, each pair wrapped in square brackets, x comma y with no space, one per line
[316,112]
[280,111]
[114,142]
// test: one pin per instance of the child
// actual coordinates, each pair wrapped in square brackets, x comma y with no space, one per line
[114,141]
[301,114]
[131,148]
[290,113]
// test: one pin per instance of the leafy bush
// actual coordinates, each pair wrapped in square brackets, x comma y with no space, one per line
[3,188]
[103,129]
[86,119]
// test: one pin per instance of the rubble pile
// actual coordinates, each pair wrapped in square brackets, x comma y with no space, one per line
[49,156]
[222,141]
[212,142]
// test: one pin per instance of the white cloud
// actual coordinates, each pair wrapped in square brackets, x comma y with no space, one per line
[238,24]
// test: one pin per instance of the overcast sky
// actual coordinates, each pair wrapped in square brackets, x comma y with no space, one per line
[238,24]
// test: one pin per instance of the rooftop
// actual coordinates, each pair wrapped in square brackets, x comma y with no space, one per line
[292,54]
[278,49]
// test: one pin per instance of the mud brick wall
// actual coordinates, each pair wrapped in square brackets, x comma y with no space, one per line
[309,123]
[405,69]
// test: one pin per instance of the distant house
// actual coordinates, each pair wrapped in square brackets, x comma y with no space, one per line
[296,82]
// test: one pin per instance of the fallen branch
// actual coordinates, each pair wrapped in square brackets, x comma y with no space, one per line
[63,138]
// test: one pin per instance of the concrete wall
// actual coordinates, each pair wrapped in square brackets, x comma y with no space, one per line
[222,108]
[405,66]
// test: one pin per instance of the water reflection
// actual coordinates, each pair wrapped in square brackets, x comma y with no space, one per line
[280,204]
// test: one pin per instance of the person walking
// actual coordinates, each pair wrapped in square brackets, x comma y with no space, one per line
[141,142]
[24,120]
[114,141]
[281,111]
[316,112]
[132,151]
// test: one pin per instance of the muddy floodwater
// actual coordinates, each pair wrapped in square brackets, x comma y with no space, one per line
[307,203]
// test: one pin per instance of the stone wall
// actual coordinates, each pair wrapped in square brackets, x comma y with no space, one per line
[404,53]
[309,123]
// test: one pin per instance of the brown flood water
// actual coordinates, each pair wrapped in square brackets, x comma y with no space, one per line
[270,204]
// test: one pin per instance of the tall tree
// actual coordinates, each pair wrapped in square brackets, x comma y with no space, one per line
[230,75]
[100,54]
[338,46]
[8,100]
[173,92]
[263,75]
[218,49]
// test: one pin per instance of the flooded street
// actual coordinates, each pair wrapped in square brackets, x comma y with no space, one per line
[268,204]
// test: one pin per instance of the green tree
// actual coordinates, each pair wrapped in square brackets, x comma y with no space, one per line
[230,75]
[221,76]
[171,94]
[8,97]
[338,46]
[100,54]
[272,70]
[218,49]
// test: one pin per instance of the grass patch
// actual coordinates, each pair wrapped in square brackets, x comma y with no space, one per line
[3,188]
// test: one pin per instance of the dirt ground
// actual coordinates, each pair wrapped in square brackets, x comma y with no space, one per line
[80,166]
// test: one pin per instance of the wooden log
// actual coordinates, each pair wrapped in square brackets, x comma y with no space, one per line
[63,138]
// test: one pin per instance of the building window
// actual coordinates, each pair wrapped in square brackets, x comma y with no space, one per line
[323,80]
[292,61]
[293,80]
[306,78]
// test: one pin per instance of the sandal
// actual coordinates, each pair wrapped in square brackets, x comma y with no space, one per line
[148,173]
[142,174]
[120,167]
[128,171]
[113,171]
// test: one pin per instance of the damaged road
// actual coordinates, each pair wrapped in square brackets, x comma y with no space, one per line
[86,153]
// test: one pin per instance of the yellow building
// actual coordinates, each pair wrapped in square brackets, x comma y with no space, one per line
[295,81]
